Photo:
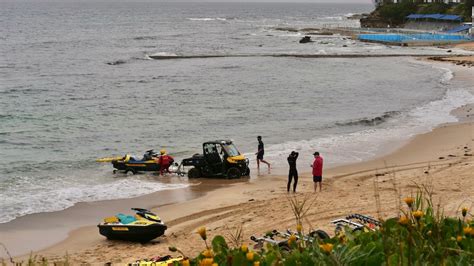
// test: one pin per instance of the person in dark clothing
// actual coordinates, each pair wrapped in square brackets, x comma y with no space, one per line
[293,172]
[260,153]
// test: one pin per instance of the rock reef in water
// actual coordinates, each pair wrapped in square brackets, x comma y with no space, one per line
[306,39]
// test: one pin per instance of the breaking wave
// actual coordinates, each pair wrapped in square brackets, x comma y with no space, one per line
[207,19]
[374,121]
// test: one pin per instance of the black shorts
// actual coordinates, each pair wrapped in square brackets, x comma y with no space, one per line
[260,156]
[317,178]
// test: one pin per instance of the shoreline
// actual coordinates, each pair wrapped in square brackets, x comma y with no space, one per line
[261,205]
[183,217]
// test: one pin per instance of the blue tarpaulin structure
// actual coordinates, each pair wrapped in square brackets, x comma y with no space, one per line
[459,29]
[406,38]
[435,17]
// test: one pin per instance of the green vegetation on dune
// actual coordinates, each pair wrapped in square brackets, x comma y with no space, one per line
[395,14]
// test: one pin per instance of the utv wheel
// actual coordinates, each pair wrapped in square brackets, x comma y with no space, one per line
[194,173]
[233,173]
[247,172]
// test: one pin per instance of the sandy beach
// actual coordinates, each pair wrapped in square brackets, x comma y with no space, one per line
[441,159]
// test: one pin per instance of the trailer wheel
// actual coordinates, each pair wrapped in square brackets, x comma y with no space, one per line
[194,173]
[320,234]
[233,173]
[131,170]
[284,248]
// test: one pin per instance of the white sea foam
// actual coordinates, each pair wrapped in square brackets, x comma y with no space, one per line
[447,76]
[366,144]
[447,72]
[296,34]
[42,199]
[333,18]
[164,54]
[207,19]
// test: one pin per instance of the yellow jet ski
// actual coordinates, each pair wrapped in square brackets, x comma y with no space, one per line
[129,163]
[143,227]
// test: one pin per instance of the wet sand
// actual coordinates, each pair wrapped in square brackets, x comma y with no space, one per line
[441,158]
[40,230]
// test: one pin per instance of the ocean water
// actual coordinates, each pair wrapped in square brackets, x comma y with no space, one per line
[77,84]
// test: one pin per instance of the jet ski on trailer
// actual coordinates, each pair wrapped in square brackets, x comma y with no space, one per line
[129,163]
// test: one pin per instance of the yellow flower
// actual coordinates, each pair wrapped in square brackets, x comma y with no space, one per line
[464,211]
[417,214]
[409,201]
[459,238]
[207,253]
[299,228]
[291,239]
[256,263]
[215,264]
[206,262]
[250,256]
[404,220]
[244,248]
[202,232]
[467,230]
[326,247]
[185,263]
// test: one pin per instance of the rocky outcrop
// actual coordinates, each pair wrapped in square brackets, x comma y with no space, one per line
[375,20]
[306,39]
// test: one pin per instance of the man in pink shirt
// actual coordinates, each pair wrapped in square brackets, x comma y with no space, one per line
[317,171]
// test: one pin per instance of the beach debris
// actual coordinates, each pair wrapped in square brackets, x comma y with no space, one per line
[356,222]
[380,174]
[284,239]
[467,154]
[251,199]
[164,260]
[441,158]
